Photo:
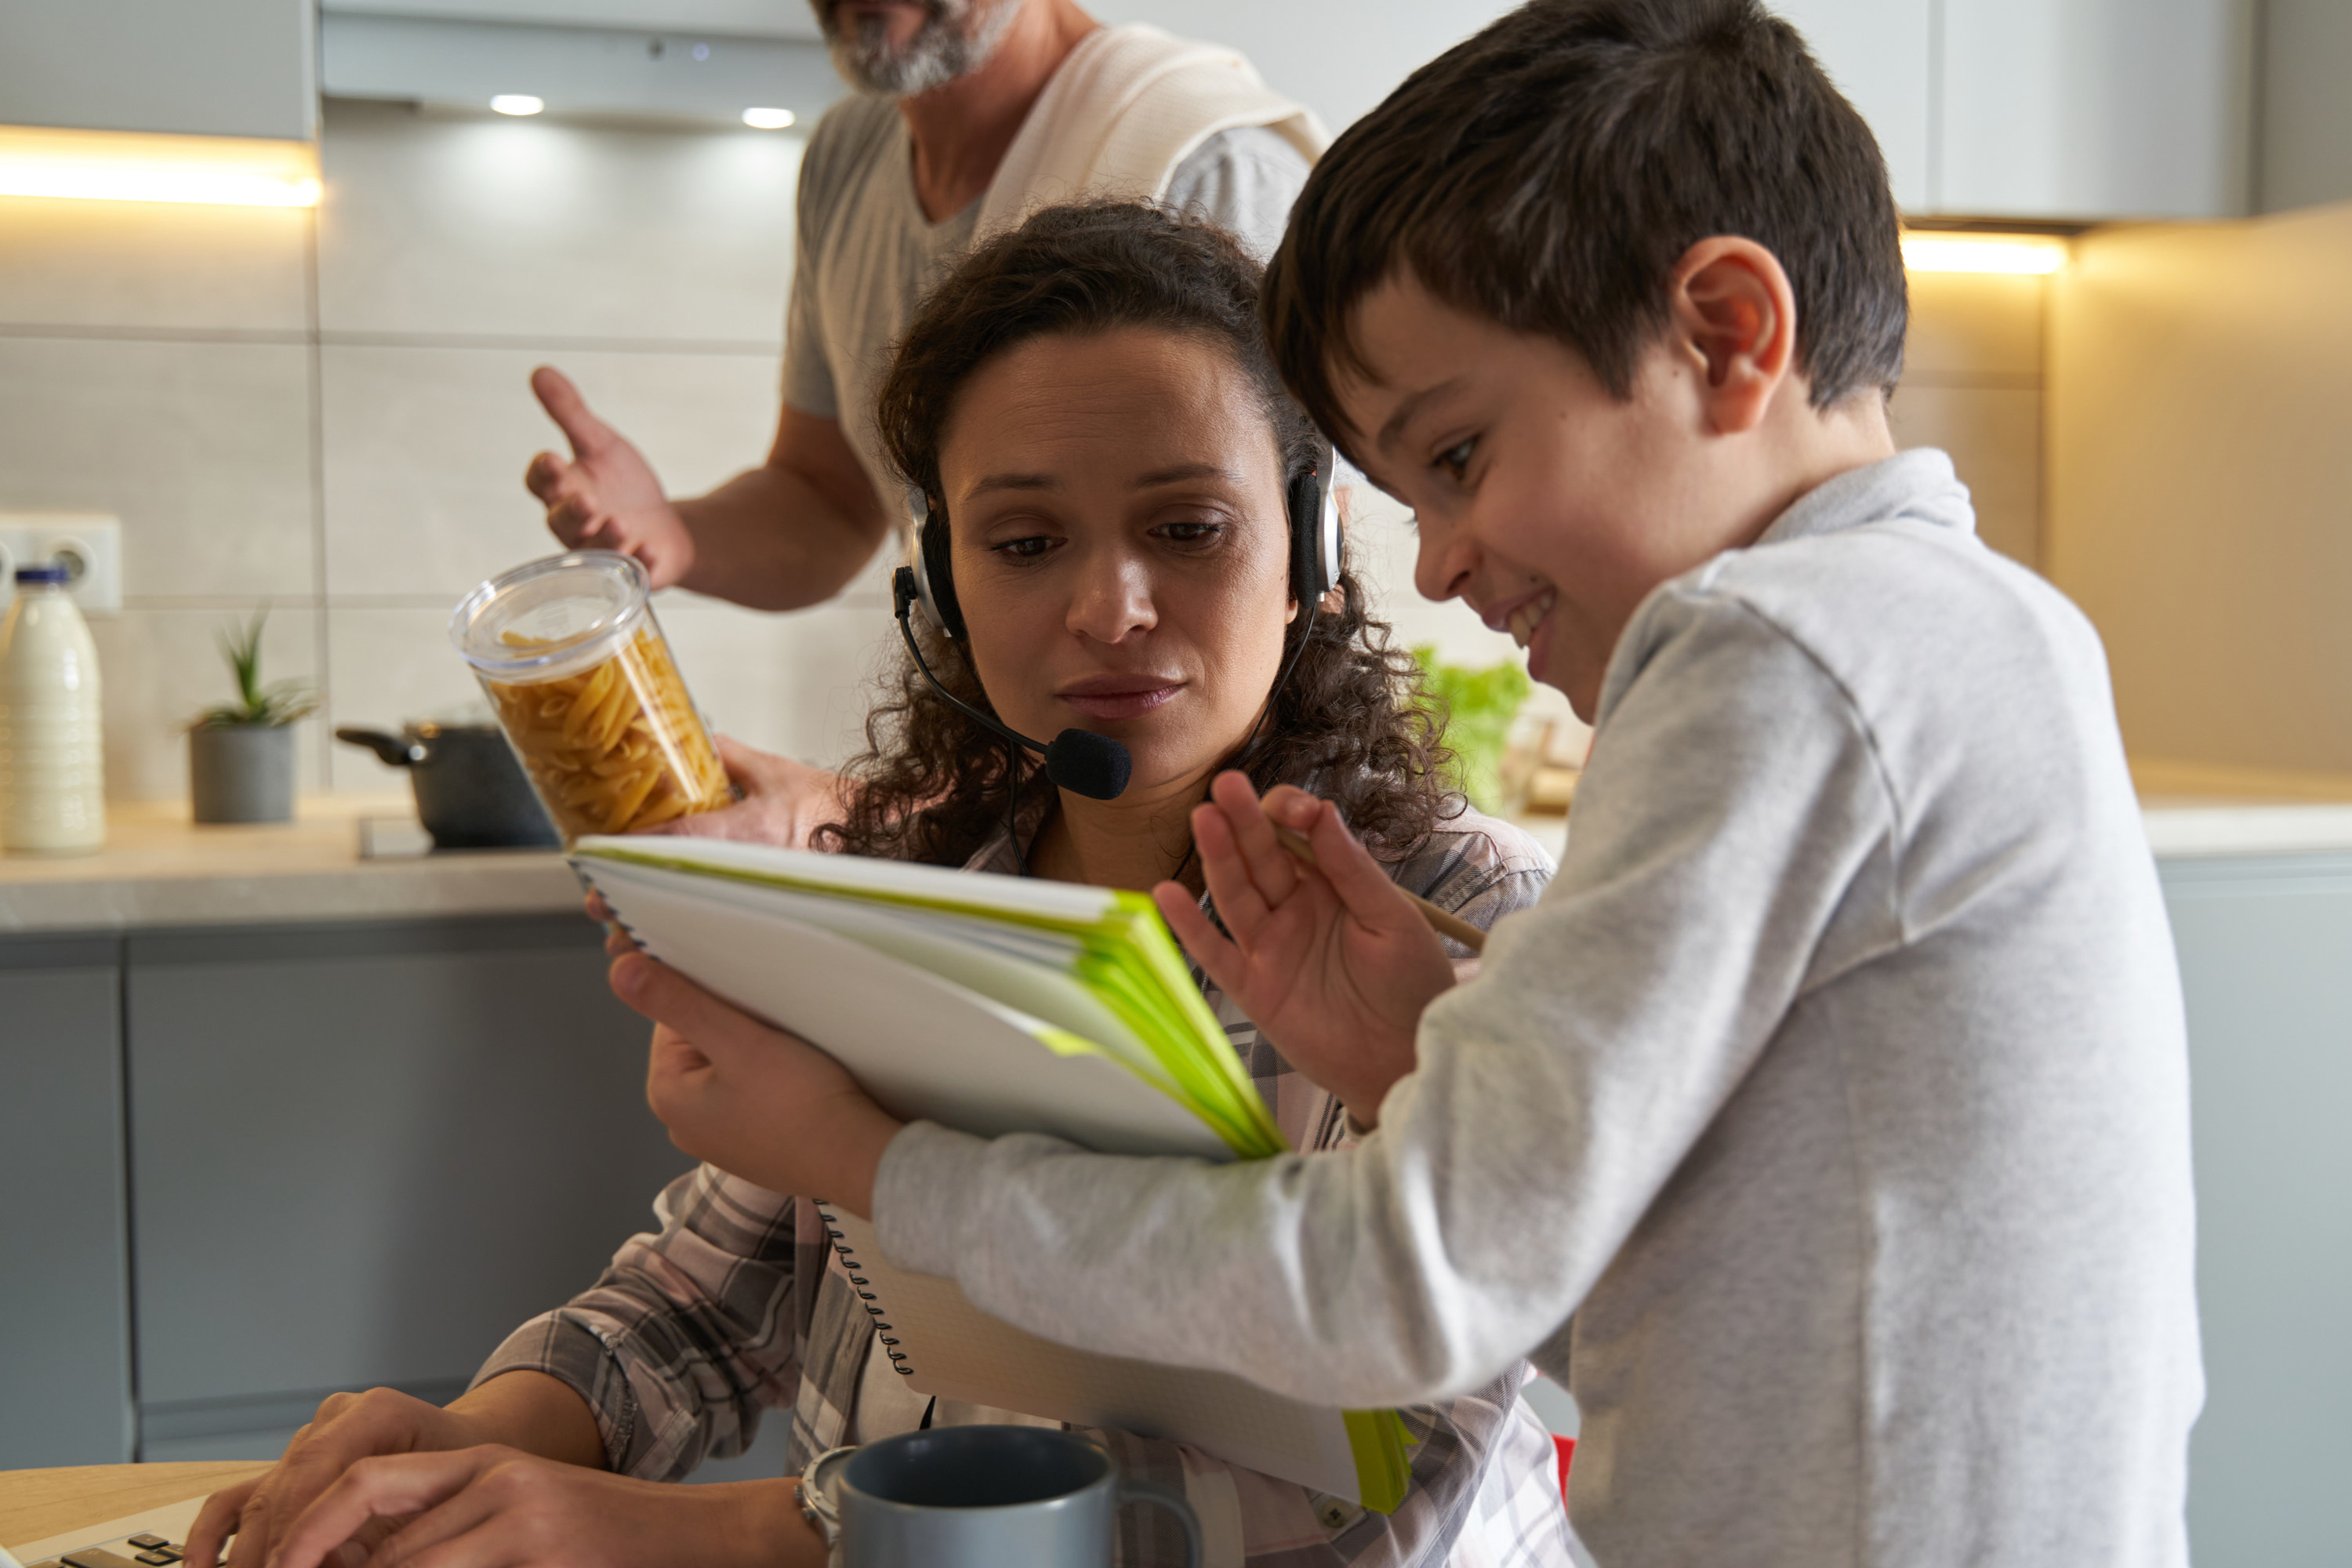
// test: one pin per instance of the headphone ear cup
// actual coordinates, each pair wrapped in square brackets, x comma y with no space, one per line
[934,584]
[1328,540]
[1314,534]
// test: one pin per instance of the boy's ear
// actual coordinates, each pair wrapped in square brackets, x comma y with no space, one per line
[1735,318]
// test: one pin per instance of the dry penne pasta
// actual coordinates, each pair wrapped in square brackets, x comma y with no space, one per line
[613,748]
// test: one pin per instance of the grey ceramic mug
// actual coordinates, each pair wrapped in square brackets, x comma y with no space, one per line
[986,1497]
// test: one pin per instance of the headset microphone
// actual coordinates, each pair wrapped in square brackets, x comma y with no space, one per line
[1079,761]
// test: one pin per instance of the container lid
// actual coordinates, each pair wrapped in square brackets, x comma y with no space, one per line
[551,619]
[49,573]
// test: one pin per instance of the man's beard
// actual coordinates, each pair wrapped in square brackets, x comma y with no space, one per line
[956,37]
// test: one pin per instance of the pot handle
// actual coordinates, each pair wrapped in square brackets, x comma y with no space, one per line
[395,751]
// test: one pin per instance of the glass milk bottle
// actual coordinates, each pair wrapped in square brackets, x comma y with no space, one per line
[52,785]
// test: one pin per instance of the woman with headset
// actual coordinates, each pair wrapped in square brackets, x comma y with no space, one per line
[1124,544]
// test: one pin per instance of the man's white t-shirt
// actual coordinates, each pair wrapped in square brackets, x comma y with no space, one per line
[865,254]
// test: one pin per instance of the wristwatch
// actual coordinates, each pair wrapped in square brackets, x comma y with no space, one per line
[815,1497]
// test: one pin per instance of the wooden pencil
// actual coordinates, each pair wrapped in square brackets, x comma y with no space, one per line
[1445,922]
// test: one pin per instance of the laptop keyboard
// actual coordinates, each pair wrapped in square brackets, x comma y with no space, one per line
[129,1552]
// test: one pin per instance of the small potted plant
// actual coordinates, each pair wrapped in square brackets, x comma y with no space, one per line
[241,754]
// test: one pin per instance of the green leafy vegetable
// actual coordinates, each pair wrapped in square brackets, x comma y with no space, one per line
[1476,707]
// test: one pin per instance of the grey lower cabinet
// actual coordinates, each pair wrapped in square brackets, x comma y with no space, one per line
[64,1325]
[2266,949]
[360,1154]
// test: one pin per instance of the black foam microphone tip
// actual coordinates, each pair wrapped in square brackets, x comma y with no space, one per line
[1092,765]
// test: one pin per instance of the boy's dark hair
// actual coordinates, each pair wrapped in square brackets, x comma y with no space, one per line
[1550,170]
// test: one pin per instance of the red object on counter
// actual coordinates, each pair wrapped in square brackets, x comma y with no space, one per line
[1567,1446]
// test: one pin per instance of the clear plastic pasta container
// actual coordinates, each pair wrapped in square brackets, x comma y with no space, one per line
[582,679]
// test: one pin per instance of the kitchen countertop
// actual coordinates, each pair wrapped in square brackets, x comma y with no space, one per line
[2179,827]
[159,869]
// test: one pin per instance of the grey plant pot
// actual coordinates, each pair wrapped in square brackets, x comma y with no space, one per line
[243,772]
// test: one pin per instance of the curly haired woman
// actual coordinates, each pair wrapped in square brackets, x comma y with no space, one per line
[1088,409]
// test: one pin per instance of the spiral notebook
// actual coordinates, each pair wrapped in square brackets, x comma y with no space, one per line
[943,1345]
[996,1005]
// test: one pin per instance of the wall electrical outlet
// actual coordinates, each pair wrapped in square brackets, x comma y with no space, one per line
[88,543]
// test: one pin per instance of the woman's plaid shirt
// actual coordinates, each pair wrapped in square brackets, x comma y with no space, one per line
[736,1306]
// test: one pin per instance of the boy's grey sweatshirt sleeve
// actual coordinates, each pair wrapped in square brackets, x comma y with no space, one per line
[1734,844]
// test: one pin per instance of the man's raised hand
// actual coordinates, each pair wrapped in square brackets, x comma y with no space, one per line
[607,496]
[1331,962]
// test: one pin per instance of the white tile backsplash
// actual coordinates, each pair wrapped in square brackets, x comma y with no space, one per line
[424,449]
[157,669]
[203,449]
[155,266]
[520,229]
[796,684]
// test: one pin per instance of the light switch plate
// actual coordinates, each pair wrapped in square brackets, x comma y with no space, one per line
[89,542]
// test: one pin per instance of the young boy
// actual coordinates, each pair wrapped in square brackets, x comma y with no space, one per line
[1825,1126]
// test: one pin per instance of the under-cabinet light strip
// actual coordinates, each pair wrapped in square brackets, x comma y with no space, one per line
[1932,251]
[110,166]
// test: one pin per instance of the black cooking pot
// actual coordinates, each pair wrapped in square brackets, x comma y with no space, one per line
[470,792]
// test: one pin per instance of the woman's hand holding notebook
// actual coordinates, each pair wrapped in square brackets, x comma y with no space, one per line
[993,1004]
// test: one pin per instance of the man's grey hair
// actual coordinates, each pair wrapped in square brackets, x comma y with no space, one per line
[956,38]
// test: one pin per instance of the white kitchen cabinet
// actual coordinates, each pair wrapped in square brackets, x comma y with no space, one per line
[2093,108]
[2067,110]
[217,67]
[1881,54]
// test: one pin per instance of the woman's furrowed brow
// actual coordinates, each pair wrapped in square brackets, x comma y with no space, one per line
[1014,482]
[1176,473]
[1180,472]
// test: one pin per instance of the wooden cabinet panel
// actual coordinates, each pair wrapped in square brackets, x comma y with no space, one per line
[65,1338]
[361,1154]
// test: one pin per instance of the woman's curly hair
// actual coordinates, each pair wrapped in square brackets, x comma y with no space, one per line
[932,786]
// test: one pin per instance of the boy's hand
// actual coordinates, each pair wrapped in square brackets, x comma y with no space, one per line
[1334,965]
[753,1100]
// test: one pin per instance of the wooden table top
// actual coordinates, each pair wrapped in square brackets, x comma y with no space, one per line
[37,1504]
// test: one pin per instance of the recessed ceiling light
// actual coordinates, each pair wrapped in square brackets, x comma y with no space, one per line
[518,103]
[768,118]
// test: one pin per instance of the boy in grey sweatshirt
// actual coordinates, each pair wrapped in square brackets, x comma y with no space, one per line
[1825,1125]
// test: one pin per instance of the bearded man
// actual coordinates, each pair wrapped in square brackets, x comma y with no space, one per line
[969,113]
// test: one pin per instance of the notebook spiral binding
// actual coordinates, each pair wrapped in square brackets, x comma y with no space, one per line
[849,1262]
